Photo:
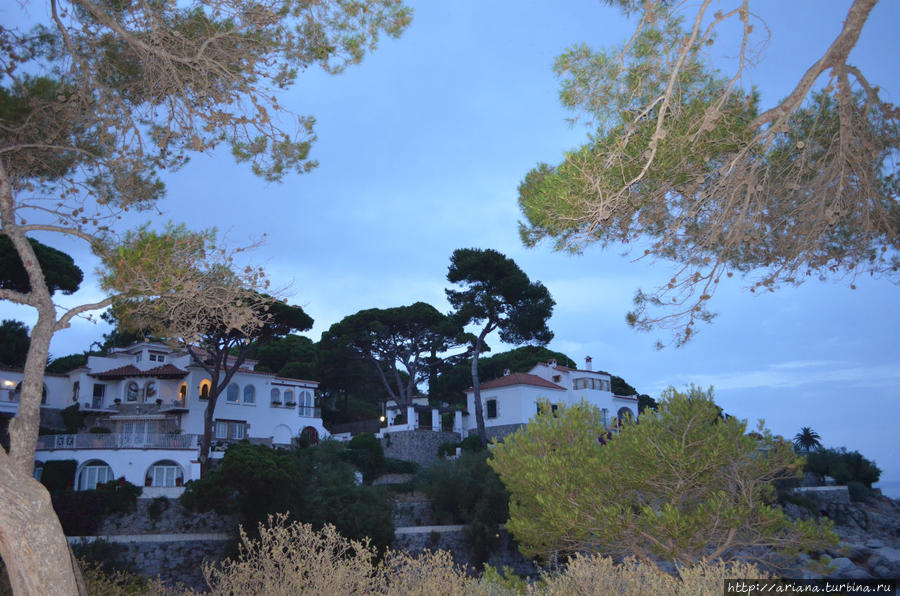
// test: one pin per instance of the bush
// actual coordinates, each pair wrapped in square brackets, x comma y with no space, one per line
[471,443]
[73,419]
[119,496]
[59,474]
[467,491]
[859,492]
[366,453]
[844,466]
[315,485]
[400,466]
[80,512]
[446,449]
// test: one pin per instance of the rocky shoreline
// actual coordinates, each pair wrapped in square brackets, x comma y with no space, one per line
[869,535]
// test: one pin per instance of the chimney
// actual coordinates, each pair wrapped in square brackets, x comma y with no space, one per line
[552,362]
[587,363]
[505,372]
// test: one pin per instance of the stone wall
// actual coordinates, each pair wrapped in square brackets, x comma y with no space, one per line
[420,446]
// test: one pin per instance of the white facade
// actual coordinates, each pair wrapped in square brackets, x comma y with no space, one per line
[511,400]
[152,399]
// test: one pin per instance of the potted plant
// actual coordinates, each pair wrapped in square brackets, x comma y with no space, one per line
[118,401]
[276,402]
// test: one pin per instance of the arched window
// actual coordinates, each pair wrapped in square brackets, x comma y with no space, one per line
[231,394]
[249,394]
[150,390]
[131,391]
[164,473]
[276,397]
[204,389]
[182,392]
[289,397]
[625,414]
[92,473]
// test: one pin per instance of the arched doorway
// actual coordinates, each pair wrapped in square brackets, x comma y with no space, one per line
[309,436]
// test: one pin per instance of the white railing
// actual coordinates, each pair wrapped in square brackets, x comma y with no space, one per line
[117,441]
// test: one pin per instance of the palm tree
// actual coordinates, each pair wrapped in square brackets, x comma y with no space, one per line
[807,439]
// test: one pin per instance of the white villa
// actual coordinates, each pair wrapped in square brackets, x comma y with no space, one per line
[150,400]
[510,401]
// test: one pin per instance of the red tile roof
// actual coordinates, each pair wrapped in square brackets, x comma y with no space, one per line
[519,379]
[129,370]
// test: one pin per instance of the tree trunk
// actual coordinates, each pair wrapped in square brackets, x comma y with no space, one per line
[32,544]
[206,439]
[476,387]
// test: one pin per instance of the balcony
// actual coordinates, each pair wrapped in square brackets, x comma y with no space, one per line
[117,441]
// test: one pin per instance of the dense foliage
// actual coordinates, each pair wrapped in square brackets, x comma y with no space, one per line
[315,485]
[685,484]
[80,512]
[846,467]
[13,343]
[683,161]
[467,491]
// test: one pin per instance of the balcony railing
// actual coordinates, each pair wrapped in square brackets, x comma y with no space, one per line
[117,441]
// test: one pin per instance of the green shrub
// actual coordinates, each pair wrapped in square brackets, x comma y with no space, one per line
[859,492]
[366,453]
[471,443]
[467,491]
[73,419]
[844,466]
[156,507]
[119,496]
[316,485]
[448,448]
[400,466]
[59,474]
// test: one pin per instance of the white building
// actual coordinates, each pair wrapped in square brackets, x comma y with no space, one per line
[150,400]
[512,400]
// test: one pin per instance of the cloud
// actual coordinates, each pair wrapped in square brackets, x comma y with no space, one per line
[793,374]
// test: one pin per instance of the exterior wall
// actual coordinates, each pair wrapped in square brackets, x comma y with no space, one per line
[517,404]
[161,409]
[132,464]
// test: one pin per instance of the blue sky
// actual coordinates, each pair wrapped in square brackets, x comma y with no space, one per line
[422,148]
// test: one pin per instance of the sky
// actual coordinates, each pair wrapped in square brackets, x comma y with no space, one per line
[421,150]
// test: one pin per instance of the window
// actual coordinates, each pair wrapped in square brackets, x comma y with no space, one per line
[231,394]
[150,390]
[491,408]
[204,389]
[557,378]
[99,392]
[289,397]
[249,394]
[131,391]
[231,429]
[93,473]
[157,357]
[76,387]
[276,397]
[182,392]
[165,473]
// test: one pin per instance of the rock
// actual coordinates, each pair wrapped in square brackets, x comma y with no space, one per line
[874,543]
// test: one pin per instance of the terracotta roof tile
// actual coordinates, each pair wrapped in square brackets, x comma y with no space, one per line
[519,379]
[130,370]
